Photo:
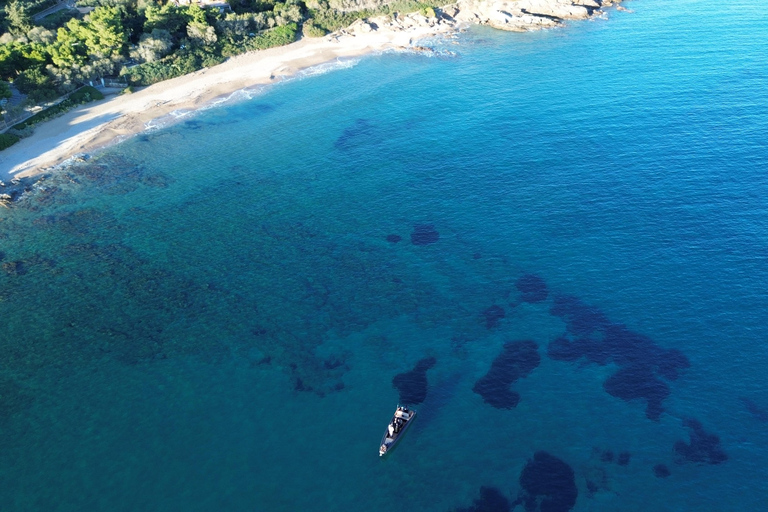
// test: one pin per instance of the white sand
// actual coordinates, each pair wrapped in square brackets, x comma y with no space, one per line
[96,125]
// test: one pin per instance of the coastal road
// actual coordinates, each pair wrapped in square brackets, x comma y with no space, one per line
[66,4]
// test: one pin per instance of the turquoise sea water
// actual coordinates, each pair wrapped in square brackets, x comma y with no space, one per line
[210,316]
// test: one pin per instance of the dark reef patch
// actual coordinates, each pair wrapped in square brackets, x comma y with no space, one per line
[298,385]
[661,471]
[548,485]
[413,385]
[424,234]
[580,318]
[14,268]
[262,108]
[532,288]
[492,316]
[606,456]
[756,411]
[334,362]
[704,448]
[642,363]
[394,238]
[624,458]
[517,360]
[357,134]
[638,382]
[491,500]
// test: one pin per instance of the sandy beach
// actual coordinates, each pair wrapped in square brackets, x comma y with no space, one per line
[99,124]
[96,125]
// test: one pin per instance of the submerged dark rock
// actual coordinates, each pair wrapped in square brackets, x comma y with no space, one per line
[491,500]
[532,288]
[703,448]
[638,382]
[756,411]
[357,134]
[661,471]
[623,459]
[424,234]
[394,238]
[492,316]
[517,360]
[14,268]
[413,385]
[642,363]
[548,485]
[606,456]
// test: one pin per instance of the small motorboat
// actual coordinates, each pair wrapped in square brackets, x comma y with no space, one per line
[396,428]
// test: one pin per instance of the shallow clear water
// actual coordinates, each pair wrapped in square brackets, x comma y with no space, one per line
[210,316]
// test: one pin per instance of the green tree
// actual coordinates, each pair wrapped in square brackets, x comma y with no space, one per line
[102,31]
[11,61]
[153,46]
[167,17]
[69,50]
[5,90]
[18,18]
[36,84]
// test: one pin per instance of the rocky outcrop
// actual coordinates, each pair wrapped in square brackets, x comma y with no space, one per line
[524,15]
[512,15]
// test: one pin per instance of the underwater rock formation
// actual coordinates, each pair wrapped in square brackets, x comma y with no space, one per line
[491,500]
[623,459]
[638,382]
[752,408]
[492,316]
[703,448]
[661,471]
[642,363]
[413,385]
[354,135]
[548,485]
[424,234]
[517,360]
[394,238]
[532,288]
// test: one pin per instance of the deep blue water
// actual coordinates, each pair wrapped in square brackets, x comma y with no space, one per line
[210,316]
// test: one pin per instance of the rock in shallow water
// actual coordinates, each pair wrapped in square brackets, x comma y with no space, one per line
[424,234]
[413,385]
[517,360]
[704,448]
[548,485]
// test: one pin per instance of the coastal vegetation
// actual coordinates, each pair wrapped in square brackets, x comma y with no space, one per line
[51,49]
[140,42]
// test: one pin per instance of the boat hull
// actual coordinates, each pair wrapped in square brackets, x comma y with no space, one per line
[387,442]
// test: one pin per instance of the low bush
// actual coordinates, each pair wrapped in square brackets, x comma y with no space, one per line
[7,140]
[332,20]
[309,29]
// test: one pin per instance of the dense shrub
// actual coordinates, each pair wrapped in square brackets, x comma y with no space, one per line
[331,20]
[181,63]
[309,29]
[80,96]
[7,140]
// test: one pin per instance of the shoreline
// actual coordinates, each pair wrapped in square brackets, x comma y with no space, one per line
[97,125]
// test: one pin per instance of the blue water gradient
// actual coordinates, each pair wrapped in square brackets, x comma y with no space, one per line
[210,316]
